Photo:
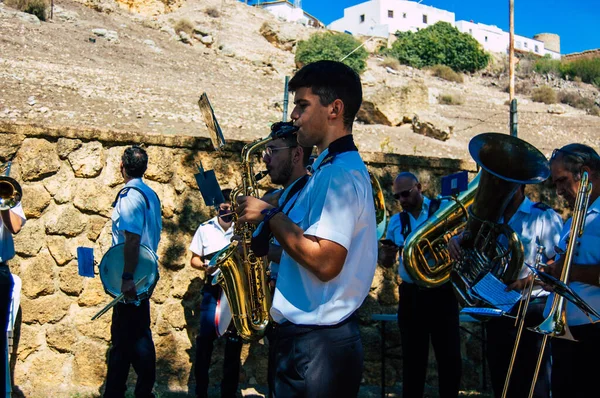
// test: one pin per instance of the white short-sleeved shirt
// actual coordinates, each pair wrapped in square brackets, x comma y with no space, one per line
[394,232]
[132,215]
[337,205]
[586,252]
[7,246]
[530,222]
[210,237]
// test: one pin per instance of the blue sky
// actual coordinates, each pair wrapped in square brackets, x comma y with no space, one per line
[575,21]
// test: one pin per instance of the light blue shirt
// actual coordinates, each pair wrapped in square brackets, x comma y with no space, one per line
[394,232]
[587,252]
[7,245]
[337,205]
[530,222]
[131,214]
[273,266]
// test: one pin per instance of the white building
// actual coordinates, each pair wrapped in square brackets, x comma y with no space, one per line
[287,11]
[494,39]
[384,17]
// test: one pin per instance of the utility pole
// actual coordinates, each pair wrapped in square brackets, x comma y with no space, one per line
[511,68]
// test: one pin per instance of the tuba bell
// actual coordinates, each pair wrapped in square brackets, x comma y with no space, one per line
[10,190]
[506,163]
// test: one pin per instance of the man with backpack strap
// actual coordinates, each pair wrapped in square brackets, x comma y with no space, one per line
[424,314]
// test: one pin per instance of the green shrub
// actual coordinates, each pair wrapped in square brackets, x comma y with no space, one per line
[332,46]
[575,100]
[544,94]
[587,69]
[439,44]
[446,73]
[184,25]
[448,99]
[546,65]
[38,8]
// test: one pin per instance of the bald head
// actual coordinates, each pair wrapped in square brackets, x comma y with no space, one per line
[407,190]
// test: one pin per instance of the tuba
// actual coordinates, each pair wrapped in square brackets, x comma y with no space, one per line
[10,190]
[506,163]
[379,201]
[243,275]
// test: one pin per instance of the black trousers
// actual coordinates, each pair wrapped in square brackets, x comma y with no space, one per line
[501,334]
[131,345]
[575,364]
[204,348]
[424,315]
[6,288]
[316,361]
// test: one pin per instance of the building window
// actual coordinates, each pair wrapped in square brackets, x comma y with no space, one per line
[390,13]
[537,49]
[362,18]
[525,44]
[403,15]
[486,39]
[470,31]
[518,44]
[424,18]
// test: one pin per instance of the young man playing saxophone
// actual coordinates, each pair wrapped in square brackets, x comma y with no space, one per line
[330,252]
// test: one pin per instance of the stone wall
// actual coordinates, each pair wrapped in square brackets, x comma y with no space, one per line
[69,178]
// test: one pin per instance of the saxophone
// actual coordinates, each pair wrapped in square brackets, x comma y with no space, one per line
[243,275]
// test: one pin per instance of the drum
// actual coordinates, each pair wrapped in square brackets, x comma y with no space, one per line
[222,311]
[111,271]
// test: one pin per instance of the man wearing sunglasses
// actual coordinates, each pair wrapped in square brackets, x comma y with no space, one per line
[575,364]
[424,314]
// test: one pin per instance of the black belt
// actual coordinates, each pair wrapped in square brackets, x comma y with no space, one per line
[307,328]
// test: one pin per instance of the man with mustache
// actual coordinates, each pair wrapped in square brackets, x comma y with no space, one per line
[575,364]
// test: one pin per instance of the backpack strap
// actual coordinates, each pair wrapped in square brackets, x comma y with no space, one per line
[405,224]
[434,205]
[123,193]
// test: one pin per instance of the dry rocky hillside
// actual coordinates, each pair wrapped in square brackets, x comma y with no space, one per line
[115,66]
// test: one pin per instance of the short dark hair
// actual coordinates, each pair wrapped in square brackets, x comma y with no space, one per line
[226,194]
[408,174]
[135,161]
[331,80]
[291,140]
[575,156]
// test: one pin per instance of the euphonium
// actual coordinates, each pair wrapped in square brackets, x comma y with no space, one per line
[10,190]
[506,163]
[243,275]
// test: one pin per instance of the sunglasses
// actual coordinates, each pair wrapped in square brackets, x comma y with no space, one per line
[403,194]
[567,153]
[268,152]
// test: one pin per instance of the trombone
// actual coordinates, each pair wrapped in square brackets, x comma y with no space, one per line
[10,190]
[555,324]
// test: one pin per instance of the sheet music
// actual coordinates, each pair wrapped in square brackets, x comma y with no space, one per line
[482,311]
[492,290]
